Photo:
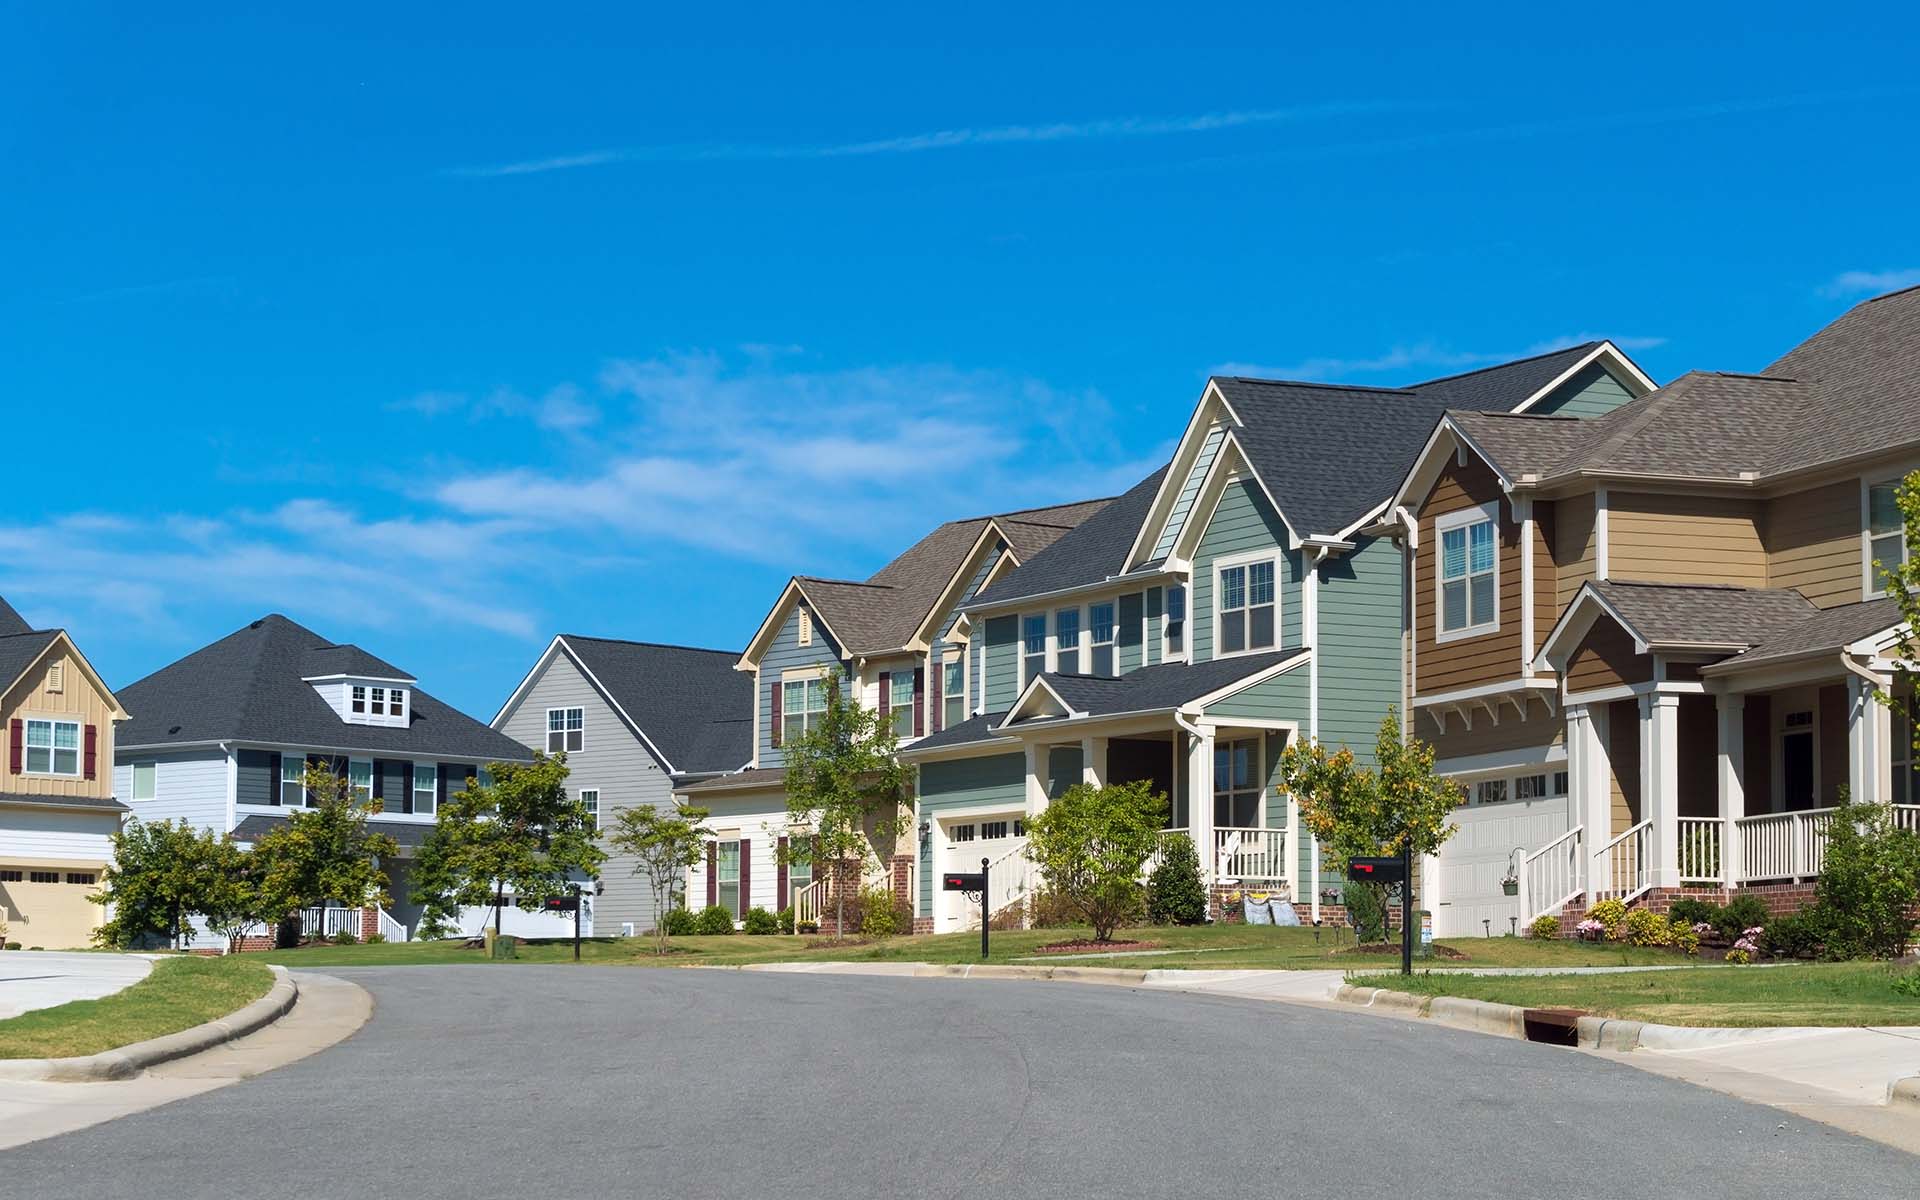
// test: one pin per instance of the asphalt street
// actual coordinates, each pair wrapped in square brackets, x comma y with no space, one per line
[482,1081]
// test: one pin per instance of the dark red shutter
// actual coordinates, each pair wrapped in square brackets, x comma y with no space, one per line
[780,874]
[919,701]
[937,699]
[19,735]
[93,749]
[886,696]
[713,874]
[774,733]
[273,778]
[746,879]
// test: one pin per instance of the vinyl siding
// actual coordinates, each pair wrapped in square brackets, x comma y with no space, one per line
[1546,590]
[1132,638]
[1623,763]
[786,654]
[1813,544]
[1685,539]
[1156,597]
[611,759]
[758,818]
[1065,767]
[996,781]
[1590,393]
[1574,548]
[1359,650]
[56,834]
[1003,663]
[1487,658]
[1605,658]
[77,700]
[1281,698]
[188,785]
[1241,522]
[1189,491]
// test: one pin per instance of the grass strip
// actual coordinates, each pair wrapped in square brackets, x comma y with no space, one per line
[179,994]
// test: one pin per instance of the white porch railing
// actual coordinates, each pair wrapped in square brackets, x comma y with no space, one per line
[806,904]
[1628,871]
[1788,845]
[329,922]
[1010,880]
[391,929]
[1250,855]
[1552,876]
[1700,855]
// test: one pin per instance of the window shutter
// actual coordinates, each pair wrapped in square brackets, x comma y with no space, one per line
[713,874]
[746,878]
[406,781]
[92,750]
[886,696]
[774,720]
[937,697]
[919,701]
[380,786]
[440,783]
[19,735]
[780,899]
[273,778]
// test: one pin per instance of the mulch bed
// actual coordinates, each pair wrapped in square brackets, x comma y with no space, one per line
[1082,947]
[1393,948]
[831,943]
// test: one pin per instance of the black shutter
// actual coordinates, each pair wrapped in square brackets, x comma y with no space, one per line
[273,778]
[380,787]
[406,783]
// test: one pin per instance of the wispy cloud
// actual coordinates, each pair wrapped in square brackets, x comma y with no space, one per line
[1864,283]
[1428,357]
[1108,128]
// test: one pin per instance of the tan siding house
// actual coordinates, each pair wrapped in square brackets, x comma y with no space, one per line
[1685,539]
[1812,542]
[1449,665]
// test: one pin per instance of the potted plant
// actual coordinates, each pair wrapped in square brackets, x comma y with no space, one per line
[1511,884]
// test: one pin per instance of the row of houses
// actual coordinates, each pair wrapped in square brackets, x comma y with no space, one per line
[1642,625]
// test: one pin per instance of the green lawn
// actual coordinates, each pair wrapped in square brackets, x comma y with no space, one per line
[1802,994]
[1217,946]
[179,994]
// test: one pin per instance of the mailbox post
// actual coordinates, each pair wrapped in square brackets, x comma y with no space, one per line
[961,881]
[1387,870]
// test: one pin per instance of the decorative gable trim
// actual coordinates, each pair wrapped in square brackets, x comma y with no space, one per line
[1035,701]
[770,627]
[559,646]
[1607,355]
[1185,454]
[60,639]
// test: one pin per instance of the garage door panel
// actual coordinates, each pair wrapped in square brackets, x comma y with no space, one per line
[1473,863]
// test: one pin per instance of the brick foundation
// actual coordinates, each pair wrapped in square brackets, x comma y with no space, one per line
[923,924]
[1779,898]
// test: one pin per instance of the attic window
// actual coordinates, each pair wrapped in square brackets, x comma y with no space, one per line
[359,698]
[805,637]
[566,729]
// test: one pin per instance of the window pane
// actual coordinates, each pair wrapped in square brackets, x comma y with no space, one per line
[1066,626]
[1034,631]
[1482,538]
[1453,553]
[40,759]
[956,712]
[1260,583]
[1889,551]
[1884,512]
[1233,588]
[1482,599]
[1260,627]
[144,775]
[1453,604]
[953,679]
[1242,764]
[1233,631]
[360,779]
[1103,659]
[1101,618]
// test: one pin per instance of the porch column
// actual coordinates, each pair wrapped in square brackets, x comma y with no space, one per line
[1590,796]
[1660,783]
[1200,801]
[1731,772]
[1869,744]
[1093,761]
[1036,779]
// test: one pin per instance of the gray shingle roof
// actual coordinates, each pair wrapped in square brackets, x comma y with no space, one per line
[758,777]
[1704,614]
[11,622]
[1828,629]
[967,732]
[1092,552]
[1519,443]
[19,650]
[103,803]
[411,835]
[1150,689]
[691,703]
[249,687]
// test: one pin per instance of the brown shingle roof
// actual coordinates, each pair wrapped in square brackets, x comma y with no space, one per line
[1704,614]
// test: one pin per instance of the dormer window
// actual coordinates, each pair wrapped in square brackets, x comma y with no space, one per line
[359,698]
[372,704]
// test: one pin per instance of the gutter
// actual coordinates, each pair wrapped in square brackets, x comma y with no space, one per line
[1074,590]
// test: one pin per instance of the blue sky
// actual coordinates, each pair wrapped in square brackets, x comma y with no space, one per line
[445,331]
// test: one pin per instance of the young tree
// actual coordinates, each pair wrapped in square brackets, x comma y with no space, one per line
[155,879]
[324,852]
[1359,812]
[1090,846]
[230,898]
[1869,883]
[519,832]
[664,846]
[844,784]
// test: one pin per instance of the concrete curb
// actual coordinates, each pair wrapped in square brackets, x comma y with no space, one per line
[128,1061]
[1905,1092]
[1109,975]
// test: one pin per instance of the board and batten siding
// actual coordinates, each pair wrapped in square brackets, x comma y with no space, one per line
[1812,541]
[1592,392]
[1489,657]
[786,654]
[1359,650]
[188,785]
[1243,521]
[1685,539]
[1574,550]
[77,700]
[996,781]
[612,759]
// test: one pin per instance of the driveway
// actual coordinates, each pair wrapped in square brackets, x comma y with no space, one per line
[487,1081]
[31,979]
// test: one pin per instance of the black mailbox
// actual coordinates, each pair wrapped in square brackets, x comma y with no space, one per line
[976,882]
[1377,870]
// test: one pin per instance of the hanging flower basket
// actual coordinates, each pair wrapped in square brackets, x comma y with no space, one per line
[1510,886]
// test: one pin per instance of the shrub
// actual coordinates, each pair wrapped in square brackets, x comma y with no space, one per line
[376,939]
[761,923]
[1870,879]
[1739,957]
[1367,909]
[345,937]
[1694,912]
[681,923]
[1644,927]
[1544,928]
[880,915]
[1907,983]
[1683,937]
[1743,913]
[785,918]
[713,921]
[1796,935]
[13,945]
[1090,846]
[1175,894]
[1590,930]
[1612,915]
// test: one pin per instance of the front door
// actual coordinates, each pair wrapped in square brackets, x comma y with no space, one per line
[1797,760]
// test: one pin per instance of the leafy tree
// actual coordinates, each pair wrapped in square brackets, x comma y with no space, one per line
[155,880]
[1175,893]
[1400,803]
[324,852]
[1090,846]
[518,832]
[230,898]
[1869,883]
[844,784]
[664,846]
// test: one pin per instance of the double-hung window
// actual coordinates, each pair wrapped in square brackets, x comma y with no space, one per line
[803,702]
[1100,619]
[566,728]
[1249,607]
[1066,640]
[1236,784]
[358,702]
[727,877]
[899,685]
[1469,574]
[1886,535]
[953,692]
[426,787]
[293,780]
[1033,647]
[1176,621]
[590,800]
[53,747]
[360,779]
[146,777]
[799,871]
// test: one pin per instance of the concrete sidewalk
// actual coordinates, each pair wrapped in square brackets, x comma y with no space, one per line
[31,979]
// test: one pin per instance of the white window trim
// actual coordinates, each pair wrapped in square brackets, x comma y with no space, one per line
[1020,646]
[360,762]
[961,658]
[547,740]
[1489,511]
[280,784]
[1079,649]
[1870,588]
[433,792]
[1226,563]
[595,793]
[53,741]
[815,673]
[1167,653]
[1113,632]
[133,781]
[1259,774]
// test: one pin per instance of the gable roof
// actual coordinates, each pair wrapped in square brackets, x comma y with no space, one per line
[689,703]
[1828,630]
[250,686]
[11,622]
[1148,689]
[1094,551]
[1672,614]
[19,651]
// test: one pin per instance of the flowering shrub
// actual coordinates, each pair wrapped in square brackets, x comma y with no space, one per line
[1643,927]
[1702,928]
[1612,915]
[1739,957]
[1590,930]
[1544,928]
[1753,933]
[1684,938]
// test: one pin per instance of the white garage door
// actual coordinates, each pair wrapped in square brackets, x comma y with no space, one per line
[970,839]
[1474,861]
